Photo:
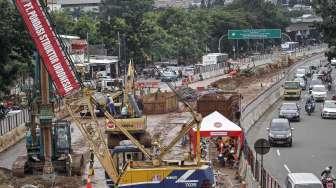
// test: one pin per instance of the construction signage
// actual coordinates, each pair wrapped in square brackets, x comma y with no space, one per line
[48,46]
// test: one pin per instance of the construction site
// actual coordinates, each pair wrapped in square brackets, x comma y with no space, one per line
[81,135]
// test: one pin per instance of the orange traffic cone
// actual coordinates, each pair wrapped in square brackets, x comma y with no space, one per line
[88,182]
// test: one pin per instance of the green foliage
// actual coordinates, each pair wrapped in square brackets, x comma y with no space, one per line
[63,22]
[16,46]
[174,33]
[327,10]
[126,17]
[85,26]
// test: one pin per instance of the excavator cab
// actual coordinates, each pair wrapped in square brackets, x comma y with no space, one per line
[130,116]
[61,138]
[123,154]
[126,153]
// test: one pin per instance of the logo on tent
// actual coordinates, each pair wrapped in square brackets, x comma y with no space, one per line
[218,124]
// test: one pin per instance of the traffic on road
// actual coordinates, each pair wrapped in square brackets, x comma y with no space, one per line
[301,129]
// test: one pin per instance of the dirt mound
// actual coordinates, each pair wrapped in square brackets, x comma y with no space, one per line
[7,180]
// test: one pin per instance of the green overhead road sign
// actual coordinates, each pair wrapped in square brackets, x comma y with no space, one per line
[254,34]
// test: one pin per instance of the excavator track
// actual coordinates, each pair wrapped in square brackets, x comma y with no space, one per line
[77,164]
[19,166]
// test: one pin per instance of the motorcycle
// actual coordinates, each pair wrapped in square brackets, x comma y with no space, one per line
[329,86]
[328,182]
[309,108]
[221,159]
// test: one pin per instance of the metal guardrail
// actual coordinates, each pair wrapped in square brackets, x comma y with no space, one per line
[265,179]
[13,121]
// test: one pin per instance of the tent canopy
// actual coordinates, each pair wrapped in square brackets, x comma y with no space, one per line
[215,124]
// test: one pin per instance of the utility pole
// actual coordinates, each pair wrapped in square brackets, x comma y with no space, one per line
[46,114]
[119,55]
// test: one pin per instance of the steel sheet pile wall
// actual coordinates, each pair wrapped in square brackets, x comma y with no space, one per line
[226,103]
[160,103]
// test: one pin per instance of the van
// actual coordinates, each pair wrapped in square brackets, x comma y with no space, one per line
[109,84]
[292,89]
[302,180]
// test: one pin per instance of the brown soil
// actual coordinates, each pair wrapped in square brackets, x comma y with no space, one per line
[251,86]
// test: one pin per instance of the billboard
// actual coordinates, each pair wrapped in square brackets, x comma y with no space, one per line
[48,46]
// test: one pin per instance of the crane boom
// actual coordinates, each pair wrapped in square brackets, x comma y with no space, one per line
[59,67]
[48,46]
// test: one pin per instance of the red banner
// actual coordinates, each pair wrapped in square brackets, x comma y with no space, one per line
[148,84]
[48,46]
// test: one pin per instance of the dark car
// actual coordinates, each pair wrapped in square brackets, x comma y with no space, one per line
[291,111]
[169,77]
[280,132]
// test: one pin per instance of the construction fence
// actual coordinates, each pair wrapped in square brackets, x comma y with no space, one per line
[258,172]
[13,120]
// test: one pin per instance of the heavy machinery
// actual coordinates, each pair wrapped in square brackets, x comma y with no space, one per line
[135,122]
[152,172]
[63,160]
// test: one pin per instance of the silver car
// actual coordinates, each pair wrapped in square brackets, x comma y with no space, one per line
[329,109]
[319,92]
[290,111]
[302,83]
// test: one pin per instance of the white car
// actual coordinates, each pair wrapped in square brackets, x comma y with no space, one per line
[319,92]
[300,73]
[329,109]
[333,62]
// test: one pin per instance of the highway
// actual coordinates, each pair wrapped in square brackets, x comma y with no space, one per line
[314,141]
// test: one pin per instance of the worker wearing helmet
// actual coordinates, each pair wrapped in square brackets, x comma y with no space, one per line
[326,172]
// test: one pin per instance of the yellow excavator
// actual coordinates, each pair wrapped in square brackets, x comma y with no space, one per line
[150,171]
[128,115]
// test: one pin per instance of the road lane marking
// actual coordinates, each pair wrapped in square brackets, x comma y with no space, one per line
[278,152]
[286,167]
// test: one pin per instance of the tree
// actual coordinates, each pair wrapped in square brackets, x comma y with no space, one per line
[327,10]
[63,22]
[85,27]
[126,18]
[16,46]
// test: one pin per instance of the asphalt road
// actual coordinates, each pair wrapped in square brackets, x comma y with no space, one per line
[314,142]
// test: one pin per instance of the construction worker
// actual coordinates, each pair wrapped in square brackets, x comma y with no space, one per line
[124,111]
[111,107]
[156,148]
[91,170]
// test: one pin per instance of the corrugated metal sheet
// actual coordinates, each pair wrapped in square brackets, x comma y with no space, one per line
[226,103]
[160,103]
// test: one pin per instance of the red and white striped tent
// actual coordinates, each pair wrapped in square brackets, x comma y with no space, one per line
[215,124]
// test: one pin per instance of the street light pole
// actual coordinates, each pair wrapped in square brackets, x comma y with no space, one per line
[219,42]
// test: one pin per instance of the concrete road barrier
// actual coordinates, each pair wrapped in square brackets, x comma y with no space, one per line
[11,138]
